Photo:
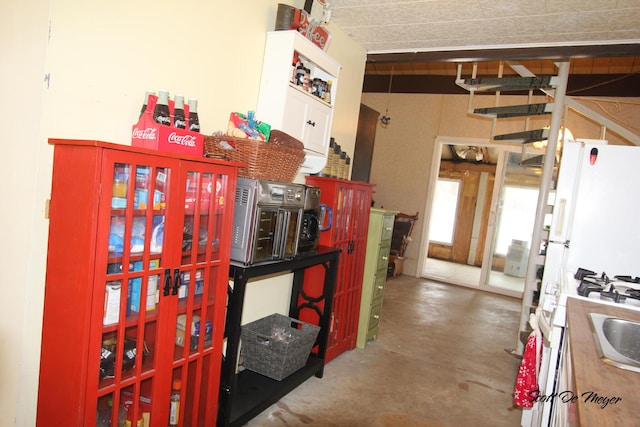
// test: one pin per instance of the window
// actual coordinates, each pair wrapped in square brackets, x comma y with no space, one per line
[443,212]
[517,216]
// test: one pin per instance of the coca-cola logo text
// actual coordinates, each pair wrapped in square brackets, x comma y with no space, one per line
[186,140]
[313,31]
[148,133]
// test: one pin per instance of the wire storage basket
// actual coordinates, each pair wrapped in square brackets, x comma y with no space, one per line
[276,160]
[276,346]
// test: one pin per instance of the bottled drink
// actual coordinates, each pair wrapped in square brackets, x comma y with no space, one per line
[194,122]
[327,96]
[342,164]
[347,168]
[161,112]
[335,160]
[300,75]
[174,406]
[146,101]
[179,121]
[326,171]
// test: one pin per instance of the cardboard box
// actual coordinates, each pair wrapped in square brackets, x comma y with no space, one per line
[135,288]
[186,281]
[134,295]
[152,286]
[194,331]
[112,303]
[141,199]
[149,134]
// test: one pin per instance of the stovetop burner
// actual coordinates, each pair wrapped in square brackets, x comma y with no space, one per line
[617,289]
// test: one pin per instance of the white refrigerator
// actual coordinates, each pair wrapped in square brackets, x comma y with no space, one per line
[595,225]
[596,217]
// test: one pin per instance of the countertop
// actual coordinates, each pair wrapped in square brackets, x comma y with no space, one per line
[616,403]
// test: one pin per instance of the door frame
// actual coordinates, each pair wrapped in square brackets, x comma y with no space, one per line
[440,142]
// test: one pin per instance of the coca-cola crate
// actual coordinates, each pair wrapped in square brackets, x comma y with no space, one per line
[149,134]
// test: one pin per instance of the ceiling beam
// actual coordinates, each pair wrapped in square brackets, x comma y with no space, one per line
[610,85]
[512,54]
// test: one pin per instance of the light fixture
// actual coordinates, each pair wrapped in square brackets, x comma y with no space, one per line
[385,119]
[469,153]
[564,134]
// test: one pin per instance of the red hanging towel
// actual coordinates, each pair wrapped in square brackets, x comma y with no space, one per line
[527,381]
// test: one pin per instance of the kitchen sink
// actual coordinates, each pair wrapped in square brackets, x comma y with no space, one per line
[618,340]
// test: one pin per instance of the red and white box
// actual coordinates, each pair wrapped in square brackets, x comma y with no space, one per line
[149,134]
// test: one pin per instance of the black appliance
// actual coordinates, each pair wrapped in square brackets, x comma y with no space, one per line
[311,220]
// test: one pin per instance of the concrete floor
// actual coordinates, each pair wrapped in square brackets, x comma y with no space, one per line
[439,360]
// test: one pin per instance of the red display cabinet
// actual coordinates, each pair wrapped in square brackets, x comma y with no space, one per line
[350,202]
[136,286]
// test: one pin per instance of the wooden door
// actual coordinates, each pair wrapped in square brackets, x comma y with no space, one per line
[469,176]
[365,139]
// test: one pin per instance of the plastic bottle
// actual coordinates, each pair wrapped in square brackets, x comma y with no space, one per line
[179,121]
[194,121]
[174,407]
[161,111]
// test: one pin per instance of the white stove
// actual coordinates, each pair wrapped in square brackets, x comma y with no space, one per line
[551,317]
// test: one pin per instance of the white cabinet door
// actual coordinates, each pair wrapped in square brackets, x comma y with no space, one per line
[307,119]
[318,125]
[295,116]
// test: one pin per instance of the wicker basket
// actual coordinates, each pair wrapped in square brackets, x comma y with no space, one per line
[276,160]
[274,358]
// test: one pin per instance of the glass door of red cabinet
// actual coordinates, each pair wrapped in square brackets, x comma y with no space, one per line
[202,286]
[133,271]
[360,208]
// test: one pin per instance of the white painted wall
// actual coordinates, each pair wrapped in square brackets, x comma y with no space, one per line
[101,57]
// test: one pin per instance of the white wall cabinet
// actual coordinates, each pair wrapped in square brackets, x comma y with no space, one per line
[290,108]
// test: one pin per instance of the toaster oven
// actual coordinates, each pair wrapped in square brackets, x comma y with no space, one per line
[266,222]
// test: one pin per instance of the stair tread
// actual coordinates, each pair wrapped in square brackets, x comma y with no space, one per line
[493,84]
[524,137]
[516,110]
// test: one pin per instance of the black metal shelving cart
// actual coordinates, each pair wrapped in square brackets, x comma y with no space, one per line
[245,394]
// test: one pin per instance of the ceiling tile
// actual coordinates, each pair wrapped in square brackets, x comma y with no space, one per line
[431,25]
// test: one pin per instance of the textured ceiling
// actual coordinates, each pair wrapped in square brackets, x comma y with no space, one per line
[385,26]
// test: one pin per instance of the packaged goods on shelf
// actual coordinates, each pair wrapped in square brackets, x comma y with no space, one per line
[247,126]
[133,297]
[112,303]
[185,280]
[152,286]
[116,235]
[108,355]
[144,409]
[194,331]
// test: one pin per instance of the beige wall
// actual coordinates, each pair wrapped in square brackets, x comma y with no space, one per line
[101,57]
[403,151]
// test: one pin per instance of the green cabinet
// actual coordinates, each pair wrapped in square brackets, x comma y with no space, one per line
[375,273]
